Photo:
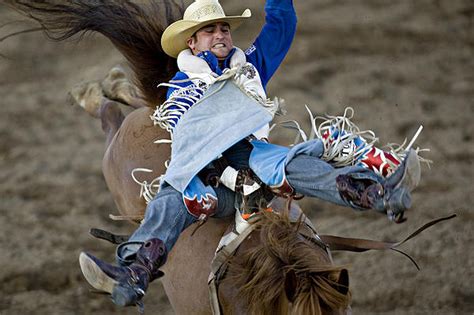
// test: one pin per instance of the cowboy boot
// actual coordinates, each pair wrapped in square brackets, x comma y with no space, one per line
[399,185]
[126,284]
[345,144]
[392,196]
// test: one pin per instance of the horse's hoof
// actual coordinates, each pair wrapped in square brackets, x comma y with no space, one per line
[117,86]
[89,96]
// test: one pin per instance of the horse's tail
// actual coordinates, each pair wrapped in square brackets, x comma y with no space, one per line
[135,29]
[286,268]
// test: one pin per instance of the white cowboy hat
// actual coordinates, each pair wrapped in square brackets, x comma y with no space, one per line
[199,14]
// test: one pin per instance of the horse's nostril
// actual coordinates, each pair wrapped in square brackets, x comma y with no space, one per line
[147,244]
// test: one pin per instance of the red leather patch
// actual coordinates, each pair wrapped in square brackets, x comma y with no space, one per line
[206,205]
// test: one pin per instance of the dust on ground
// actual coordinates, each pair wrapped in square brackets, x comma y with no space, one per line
[399,64]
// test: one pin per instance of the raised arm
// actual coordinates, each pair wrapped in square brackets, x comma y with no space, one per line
[274,41]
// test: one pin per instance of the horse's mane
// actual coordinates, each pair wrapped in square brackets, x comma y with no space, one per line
[134,29]
[286,266]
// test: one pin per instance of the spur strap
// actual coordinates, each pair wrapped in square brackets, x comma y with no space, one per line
[108,236]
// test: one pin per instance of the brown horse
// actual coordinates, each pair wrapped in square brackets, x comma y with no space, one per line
[277,269]
[280,271]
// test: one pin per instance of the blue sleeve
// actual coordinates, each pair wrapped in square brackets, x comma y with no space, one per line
[178,76]
[274,41]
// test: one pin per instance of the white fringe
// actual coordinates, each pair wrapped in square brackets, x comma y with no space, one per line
[181,99]
[148,190]
[342,151]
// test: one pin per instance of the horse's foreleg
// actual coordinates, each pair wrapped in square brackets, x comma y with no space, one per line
[91,98]
[118,87]
[111,117]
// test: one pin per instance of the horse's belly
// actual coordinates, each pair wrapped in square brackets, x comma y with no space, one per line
[132,147]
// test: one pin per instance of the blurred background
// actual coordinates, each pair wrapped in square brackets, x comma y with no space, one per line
[399,64]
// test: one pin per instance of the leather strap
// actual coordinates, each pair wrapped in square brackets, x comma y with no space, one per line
[330,242]
[218,266]
[362,245]
[108,236]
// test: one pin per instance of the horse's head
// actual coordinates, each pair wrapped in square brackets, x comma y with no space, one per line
[280,270]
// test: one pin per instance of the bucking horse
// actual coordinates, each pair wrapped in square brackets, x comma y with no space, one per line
[277,264]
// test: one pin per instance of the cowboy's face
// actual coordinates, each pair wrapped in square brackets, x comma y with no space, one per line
[215,37]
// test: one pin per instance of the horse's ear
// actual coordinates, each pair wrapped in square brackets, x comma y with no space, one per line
[291,283]
[342,285]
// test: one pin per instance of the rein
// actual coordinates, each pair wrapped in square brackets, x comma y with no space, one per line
[227,250]
[219,266]
[326,242]
[362,245]
[239,233]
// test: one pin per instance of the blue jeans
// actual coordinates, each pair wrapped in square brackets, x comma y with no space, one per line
[312,177]
[166,216]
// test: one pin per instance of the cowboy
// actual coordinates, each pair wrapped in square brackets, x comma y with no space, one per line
[212,72]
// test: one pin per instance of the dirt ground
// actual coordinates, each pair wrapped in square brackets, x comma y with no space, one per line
[399,64]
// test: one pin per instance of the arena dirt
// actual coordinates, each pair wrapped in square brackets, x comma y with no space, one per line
[399,64]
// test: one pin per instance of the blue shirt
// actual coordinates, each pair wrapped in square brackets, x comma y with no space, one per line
[268,50]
